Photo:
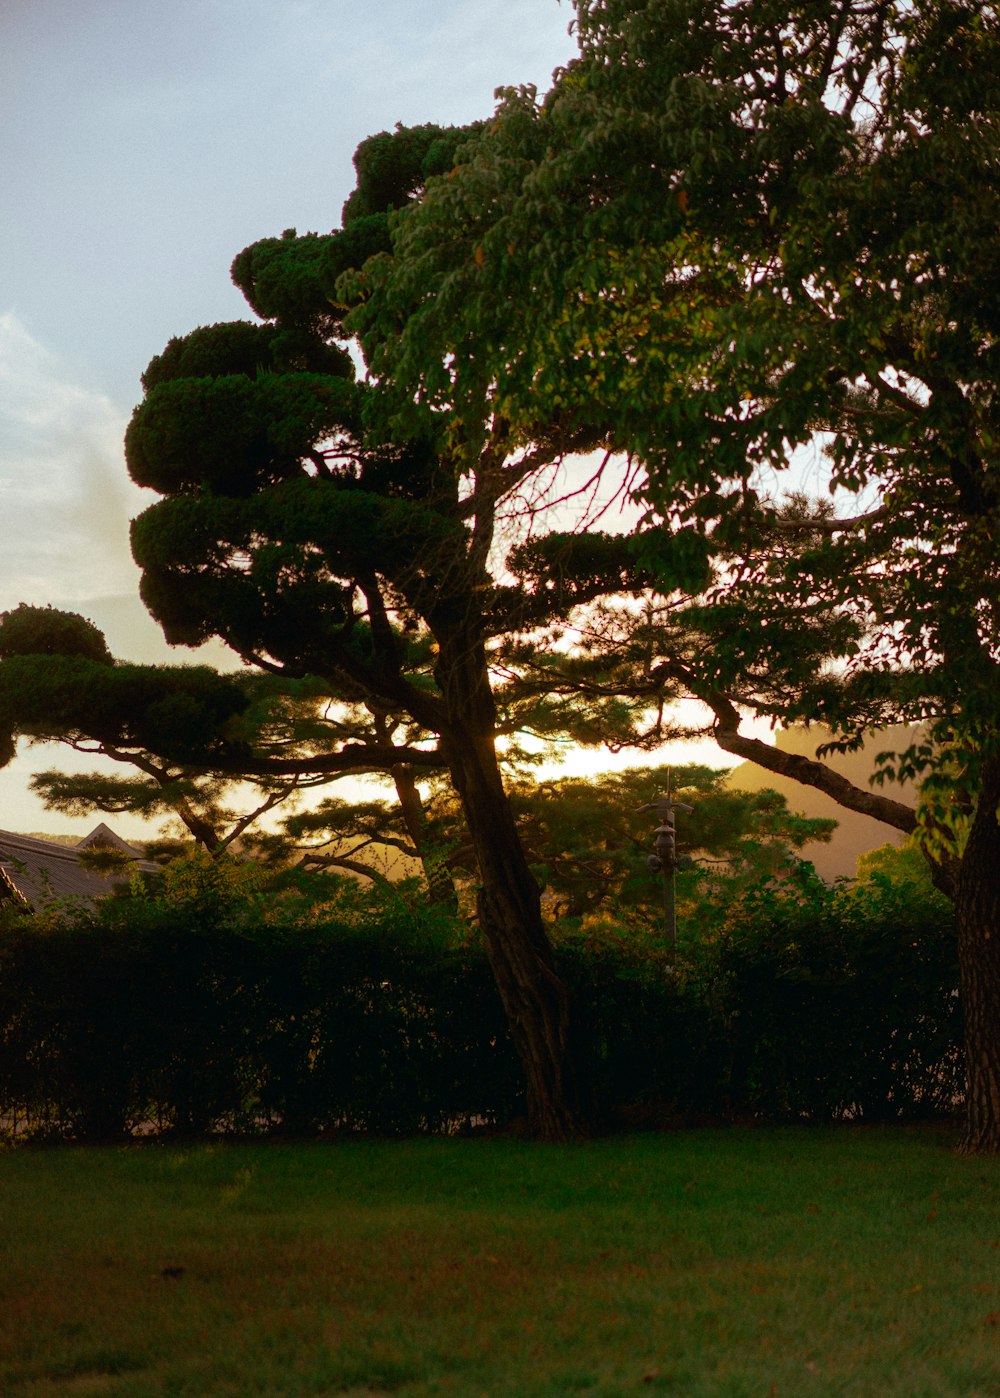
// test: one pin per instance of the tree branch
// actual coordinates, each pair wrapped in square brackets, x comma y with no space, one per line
[353,866]
[355,757]
[830,526]
[274,799]
[805,770]
[202,830]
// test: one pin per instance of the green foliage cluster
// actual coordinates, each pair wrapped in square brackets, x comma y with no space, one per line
[588,840]
[838,1000]
[44,631]
[58,680]
[730,229]
[194,1014]
[219,1007]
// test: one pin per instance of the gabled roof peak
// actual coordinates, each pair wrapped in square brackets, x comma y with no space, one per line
[38,872]
[103,835]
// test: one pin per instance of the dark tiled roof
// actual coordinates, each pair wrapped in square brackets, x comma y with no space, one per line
[40,872]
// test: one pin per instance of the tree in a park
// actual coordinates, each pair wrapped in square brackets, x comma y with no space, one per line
[734,237]
[327,531]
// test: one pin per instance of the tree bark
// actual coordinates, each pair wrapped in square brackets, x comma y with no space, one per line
[519,952]
[509,900]
[440,885]
[806,770]
[977,916]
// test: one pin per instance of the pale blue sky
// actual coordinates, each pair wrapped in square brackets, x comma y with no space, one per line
[143,145]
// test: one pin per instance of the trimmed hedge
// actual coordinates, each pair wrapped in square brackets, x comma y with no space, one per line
[171,1020]
[109,1031]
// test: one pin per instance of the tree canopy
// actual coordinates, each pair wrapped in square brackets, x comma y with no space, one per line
[730,234]
[406,567]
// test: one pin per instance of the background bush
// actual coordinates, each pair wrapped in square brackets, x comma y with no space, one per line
[214,1008]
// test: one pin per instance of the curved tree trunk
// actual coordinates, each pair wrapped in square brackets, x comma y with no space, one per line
[977,915]
[973,884]
[519,952]
[509,901]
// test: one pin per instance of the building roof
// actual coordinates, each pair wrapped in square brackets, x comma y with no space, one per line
[40,872]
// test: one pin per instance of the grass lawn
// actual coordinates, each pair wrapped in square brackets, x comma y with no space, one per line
[709,1264]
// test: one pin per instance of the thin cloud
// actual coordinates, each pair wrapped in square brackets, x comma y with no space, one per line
[65,499]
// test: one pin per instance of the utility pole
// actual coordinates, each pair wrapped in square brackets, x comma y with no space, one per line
[665,860]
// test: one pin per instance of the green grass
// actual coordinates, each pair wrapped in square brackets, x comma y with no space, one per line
[743,1264]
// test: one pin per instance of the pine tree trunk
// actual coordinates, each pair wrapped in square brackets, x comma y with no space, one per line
[509,901]
[519,952]
[440,885]
[977,912]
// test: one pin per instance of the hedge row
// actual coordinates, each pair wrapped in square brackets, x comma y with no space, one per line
[170,1022]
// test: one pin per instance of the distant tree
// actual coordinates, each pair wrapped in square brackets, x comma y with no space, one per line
[591,841]
[588,844]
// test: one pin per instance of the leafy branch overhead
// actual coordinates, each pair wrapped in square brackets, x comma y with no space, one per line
[726,229]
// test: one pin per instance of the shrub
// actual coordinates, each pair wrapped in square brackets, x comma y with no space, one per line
[196,1011]
[835,1002]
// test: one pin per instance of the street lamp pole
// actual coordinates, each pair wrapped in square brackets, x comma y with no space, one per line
[665,860]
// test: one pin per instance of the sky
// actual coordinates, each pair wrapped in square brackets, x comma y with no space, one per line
[145,144]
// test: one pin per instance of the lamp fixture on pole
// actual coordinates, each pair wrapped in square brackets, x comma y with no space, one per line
[665,861]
